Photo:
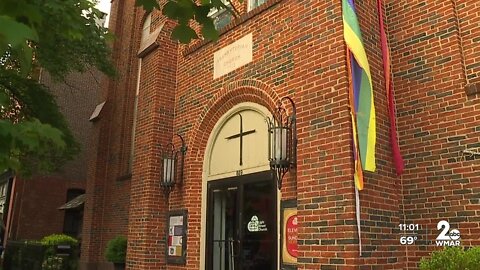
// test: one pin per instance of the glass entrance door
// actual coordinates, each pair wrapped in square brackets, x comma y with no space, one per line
[241,223]
[224,232]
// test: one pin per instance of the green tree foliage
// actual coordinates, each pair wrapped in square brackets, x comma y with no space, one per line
[59,37]
[184,12]
[452,258]
[116,249]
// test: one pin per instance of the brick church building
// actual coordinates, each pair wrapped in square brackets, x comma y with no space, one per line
[225,211]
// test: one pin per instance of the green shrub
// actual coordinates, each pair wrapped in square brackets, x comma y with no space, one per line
[58,239]
[53,240]
[54,262]
[41,255]
[452,258]
[116,249]
[23,255]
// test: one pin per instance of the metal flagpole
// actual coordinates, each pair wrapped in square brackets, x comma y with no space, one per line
[357,213]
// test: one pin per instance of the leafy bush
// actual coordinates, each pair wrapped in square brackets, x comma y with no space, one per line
[116,249]
[52,261]
[452,258]
[58,239]
[53,240]
[23,255]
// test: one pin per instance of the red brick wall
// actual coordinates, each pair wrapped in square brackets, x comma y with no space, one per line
[36,213]
[77,98]
[380,198]
[436,119]
[314,74]
[295,56]
[280,67]
[92,250]
[146,248]
[469,39]
[299,52]
[110,183]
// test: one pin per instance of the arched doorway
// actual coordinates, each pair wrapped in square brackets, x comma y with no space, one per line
[239,196]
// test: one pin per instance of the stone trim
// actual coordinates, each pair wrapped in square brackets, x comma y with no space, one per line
[230,95]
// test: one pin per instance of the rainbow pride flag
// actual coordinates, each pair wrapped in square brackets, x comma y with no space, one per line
[358,174]
[361,92]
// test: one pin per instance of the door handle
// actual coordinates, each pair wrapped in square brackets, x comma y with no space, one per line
[232,252]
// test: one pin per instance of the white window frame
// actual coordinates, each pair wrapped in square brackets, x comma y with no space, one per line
[251,4]
[215,12]
[146,28]
[146,34]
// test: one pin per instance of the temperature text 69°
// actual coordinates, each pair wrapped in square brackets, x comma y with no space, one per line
[408,240]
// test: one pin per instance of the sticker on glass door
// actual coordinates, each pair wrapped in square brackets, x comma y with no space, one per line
[256,225]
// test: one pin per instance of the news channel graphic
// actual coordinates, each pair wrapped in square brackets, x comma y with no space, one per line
[414,234]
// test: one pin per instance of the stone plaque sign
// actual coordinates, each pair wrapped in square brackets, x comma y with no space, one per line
[233,56]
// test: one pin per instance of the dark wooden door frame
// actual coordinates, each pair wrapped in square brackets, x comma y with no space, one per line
[239,183]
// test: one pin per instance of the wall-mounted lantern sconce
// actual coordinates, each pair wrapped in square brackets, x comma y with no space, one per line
[172,171]
[282,141]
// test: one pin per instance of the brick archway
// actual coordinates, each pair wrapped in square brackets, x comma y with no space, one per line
[225,99]
[247,90]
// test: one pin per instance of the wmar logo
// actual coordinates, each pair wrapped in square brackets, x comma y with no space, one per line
[447,237]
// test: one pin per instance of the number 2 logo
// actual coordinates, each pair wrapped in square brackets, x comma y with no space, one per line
[446,234]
